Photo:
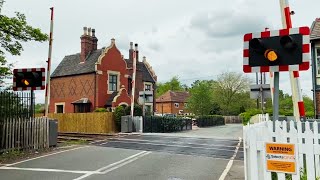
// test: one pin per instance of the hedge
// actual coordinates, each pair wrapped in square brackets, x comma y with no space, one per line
[166,124]
[210,120]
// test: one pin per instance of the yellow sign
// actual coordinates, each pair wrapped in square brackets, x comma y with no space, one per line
[281,157]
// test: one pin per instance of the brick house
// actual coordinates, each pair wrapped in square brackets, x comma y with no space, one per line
[172,102]
[98,78]
[315,49]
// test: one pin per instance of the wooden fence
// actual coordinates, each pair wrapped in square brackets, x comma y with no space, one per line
[304,135]
[232,119]
[22,134]
[86,123]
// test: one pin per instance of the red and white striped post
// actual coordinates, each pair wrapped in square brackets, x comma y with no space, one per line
[297,99]
[47,95]
[133,79]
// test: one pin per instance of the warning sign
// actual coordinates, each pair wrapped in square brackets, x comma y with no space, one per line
[280,157]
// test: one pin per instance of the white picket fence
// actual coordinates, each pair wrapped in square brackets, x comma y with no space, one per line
[304,135]
[20,134]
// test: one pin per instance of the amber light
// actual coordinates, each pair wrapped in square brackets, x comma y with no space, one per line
[271,55]
[25,82]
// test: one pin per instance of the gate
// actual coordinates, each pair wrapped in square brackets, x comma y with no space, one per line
[15,105]
[304,135]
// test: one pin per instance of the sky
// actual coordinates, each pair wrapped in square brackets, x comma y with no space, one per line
[190,39]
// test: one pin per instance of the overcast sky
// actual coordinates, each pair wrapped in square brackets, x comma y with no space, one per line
[191,39]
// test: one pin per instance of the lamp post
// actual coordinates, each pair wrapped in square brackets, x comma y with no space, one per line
[162,105]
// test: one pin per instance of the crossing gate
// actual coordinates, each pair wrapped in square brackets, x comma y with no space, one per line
[303,135]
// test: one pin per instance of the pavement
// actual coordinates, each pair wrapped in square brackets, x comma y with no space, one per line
[214,153]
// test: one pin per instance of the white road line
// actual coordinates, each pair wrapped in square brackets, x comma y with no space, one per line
[113,164]
[143,140]
[50,170]
[103,143]
[125,163]
[45,156]
[229,165]
[163,144]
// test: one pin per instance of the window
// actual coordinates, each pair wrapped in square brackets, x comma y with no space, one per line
[147,87]
[81,108]
[318,62]
[185,104]
[176,105]
[180,111]
[59,108]
[129,86]
[113,82]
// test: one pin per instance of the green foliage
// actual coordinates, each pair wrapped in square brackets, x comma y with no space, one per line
[200,100]
[211,120]
[100,110]
[39,108]
[13,32]
[231,91]
[174,85]
[246,116]
[118,113]
[137,111]
[166,124]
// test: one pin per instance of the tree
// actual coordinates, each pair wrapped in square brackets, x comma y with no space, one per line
[200,100]
[13,32]
[231,91]
[174,85]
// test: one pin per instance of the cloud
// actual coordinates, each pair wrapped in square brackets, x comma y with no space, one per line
[227,23]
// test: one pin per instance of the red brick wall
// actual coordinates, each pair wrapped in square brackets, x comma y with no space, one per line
[69,89]
[111,61]
[168,107]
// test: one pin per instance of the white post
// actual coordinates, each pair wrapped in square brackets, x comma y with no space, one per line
[133,80]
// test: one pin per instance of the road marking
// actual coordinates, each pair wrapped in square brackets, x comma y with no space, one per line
[45,156]
[50,170]
[103,143]
[143,140]
[125,163]
[115,164]
[225,172]
[163,144]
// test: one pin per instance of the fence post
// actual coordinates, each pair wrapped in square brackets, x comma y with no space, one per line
[316,142]
[309,151]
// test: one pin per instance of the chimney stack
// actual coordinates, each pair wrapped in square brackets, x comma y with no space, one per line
[94,40]
[88,43]
[137,51]
[131,51]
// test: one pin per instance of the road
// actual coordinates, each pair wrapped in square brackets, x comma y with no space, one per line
[198,154]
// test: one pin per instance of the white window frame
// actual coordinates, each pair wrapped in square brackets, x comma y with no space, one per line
[118,80]
[59,104]
[176,105]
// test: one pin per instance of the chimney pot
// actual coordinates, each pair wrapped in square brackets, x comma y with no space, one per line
[136,47]
[113,41]
[85,31]
[93,33]
[89,31]
[131,45]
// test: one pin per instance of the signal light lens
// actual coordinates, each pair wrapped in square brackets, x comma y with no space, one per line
[287,42]
[271,55]
[25,82]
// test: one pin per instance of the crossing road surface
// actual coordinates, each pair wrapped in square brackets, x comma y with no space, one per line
[137,157]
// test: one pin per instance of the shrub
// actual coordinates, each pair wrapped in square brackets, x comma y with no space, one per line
[210,120]
[137,111]
[166,124]
[118,113]
[101,110]
[246,116]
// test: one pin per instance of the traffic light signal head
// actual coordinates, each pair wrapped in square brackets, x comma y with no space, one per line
[274,51]
[28,79]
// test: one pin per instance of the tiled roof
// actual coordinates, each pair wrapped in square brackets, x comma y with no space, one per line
[110,99]
[146,77]
[315,29]
[171,96]
[70,65]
